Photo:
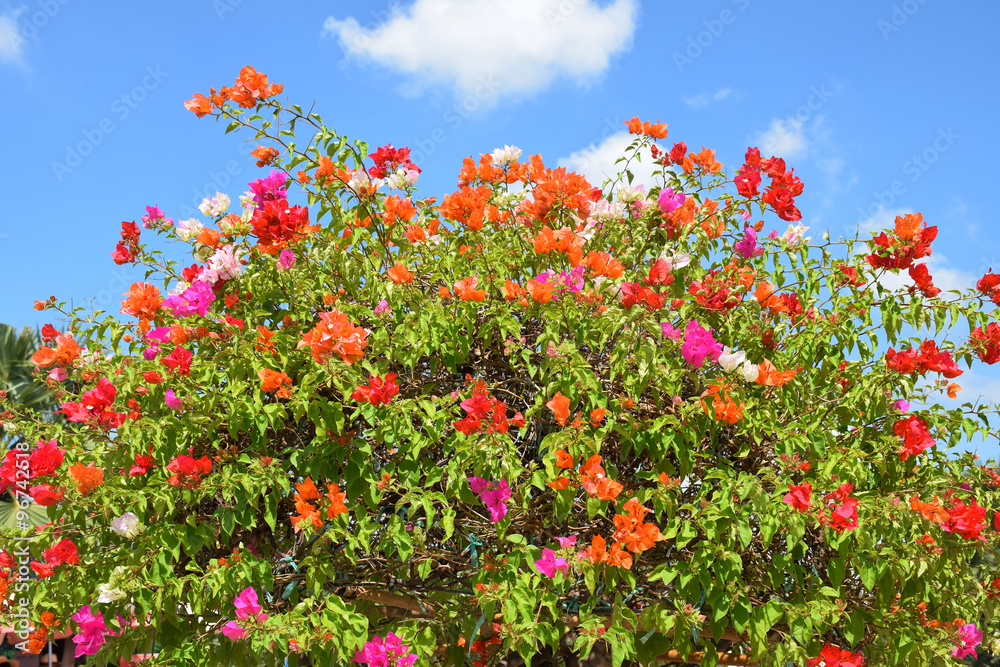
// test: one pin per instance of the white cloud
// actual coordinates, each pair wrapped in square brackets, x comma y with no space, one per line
[704,99]
[785,138]
[11,40]
[513,46]
[597,161]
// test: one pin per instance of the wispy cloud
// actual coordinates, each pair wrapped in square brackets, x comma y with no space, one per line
[704,99]
[597,161]
[11,40]
[522,45]
[785,138]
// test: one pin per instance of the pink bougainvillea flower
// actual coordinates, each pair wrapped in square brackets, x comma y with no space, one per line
[233,631]
[549,563]
[90,638]
[172,401]
[670,332]
[669,201]
[699,343]
[966,641]
[566,542]
[286,260]
[247,604]
[748,246]
[493,495]
[391,652]
[195,300]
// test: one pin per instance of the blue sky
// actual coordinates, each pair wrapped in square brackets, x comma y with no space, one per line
[882,107]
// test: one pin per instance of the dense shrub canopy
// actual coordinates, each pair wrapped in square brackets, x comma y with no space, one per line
[534,416]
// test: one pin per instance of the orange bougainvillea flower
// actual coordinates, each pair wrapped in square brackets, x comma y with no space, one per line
[562,240]
[559,483]
[596,416]
[415,234]
[443,292]
[209,237]
[199,105]
[603,264]
[597,552]
[512,291]
[931,511]
[564,460]
[397,209]
[336,498]
[706,160]
[88,477]
[724,407]
[907,226]
[953,390]
[306,490]
[655,130]
[265,155]
[65,352]
[560,408]
[466,289]
[540,292]
[770,376]
[467,206]
[619,558]
[143,301]
[399,274]
[275,380]
[335,334]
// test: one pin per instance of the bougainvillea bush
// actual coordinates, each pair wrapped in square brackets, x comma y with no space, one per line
[364,427]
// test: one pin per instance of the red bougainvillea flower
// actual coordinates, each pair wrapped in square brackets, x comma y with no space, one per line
[798,497]
[923,281]
[927,358]
[987,343]
[911,241]
[178,361]
[187,471]
[916,437]
[965,521]
[276,224]
[378,391]
[95,406]
[63,553]
[834,656]
[335,334]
